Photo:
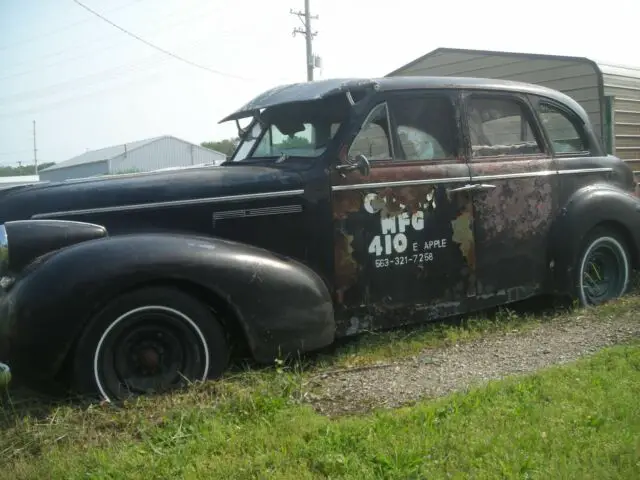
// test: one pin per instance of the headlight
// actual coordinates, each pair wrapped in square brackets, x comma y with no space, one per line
[4,251]
[31,239]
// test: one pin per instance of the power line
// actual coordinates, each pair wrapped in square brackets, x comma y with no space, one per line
[61,29]
[166,52]
[37,62]
[93,78]
[16,152]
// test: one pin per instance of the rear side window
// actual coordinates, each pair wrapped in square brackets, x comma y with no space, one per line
[500,126]
[563,133]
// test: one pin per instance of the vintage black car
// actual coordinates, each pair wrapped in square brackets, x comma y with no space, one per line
[349,205]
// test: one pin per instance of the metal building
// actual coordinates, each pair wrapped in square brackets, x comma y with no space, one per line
[610,94]
[141,156]
[8,182]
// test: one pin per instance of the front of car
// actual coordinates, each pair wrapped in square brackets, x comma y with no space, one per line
[293,134]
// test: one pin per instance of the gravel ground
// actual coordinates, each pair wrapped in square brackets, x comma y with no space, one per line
[437,372]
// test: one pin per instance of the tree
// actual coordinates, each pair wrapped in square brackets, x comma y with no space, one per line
[293,142]
[6,171]
[226,146]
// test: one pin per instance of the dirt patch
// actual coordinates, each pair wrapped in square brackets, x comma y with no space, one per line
[437,372]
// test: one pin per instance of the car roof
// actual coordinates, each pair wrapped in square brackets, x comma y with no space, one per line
[316,90]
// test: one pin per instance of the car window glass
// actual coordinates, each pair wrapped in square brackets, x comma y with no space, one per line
[499,126]
[372,140]
[426,127]
[305,142]
[562,132]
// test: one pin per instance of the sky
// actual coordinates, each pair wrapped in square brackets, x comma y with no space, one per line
[88,85]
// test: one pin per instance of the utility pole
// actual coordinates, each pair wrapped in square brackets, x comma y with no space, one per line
[308,34]
[35,150]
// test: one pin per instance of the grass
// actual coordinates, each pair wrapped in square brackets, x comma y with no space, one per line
[577,421]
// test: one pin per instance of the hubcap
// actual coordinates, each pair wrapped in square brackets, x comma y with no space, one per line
[604,274]
[150,350]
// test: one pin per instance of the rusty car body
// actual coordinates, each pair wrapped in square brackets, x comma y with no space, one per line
[348,205]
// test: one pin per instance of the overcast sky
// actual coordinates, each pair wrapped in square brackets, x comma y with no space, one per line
[88,85]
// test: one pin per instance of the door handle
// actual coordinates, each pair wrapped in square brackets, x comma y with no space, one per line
[485,186]
[472,187]
[466,188]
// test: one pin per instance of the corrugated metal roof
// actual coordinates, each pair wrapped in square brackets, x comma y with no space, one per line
[619,70]
[605,66]
[102,154]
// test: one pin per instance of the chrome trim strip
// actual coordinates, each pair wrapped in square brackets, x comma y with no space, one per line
[256,212]
[509,176]
[390,140]
[586,170]
[172,203]
[479,178]
[294,193]
[399,183]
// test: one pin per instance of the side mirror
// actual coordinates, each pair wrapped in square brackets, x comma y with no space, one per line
[360,163]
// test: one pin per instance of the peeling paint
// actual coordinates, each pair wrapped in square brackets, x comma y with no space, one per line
[394,245]
[346,267]
[358,325]
[517,207]
[463,236]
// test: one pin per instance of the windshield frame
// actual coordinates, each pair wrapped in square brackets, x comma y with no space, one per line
[252,136]
[250,143]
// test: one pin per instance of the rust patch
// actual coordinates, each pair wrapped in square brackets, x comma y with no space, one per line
[408,200]
[393,244]
[346,203]
[463,236]
[346,267]
[517,206]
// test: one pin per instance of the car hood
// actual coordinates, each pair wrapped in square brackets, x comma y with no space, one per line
[18,203]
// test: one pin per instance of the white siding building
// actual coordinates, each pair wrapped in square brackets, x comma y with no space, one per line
[610,94]
[141,156]
[8,182]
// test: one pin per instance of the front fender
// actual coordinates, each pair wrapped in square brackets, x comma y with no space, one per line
[586,208]
[281,304]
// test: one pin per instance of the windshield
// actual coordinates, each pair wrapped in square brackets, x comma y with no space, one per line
[303,129]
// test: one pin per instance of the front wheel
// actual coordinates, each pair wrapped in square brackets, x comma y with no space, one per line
[152,340]
[603,269]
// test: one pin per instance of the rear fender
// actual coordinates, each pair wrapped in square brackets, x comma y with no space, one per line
[588,207]
[281,304]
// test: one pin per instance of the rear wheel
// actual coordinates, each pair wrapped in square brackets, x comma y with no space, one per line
[152,340]
[603,269]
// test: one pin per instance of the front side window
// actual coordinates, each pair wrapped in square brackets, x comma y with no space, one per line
[500,126]
[562,132]
[372,140]
[426,126]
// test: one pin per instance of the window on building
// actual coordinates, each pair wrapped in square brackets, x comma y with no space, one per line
[562,132]
[499,126]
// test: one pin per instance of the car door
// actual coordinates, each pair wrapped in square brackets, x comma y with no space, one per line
[515,194]
[403,235]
